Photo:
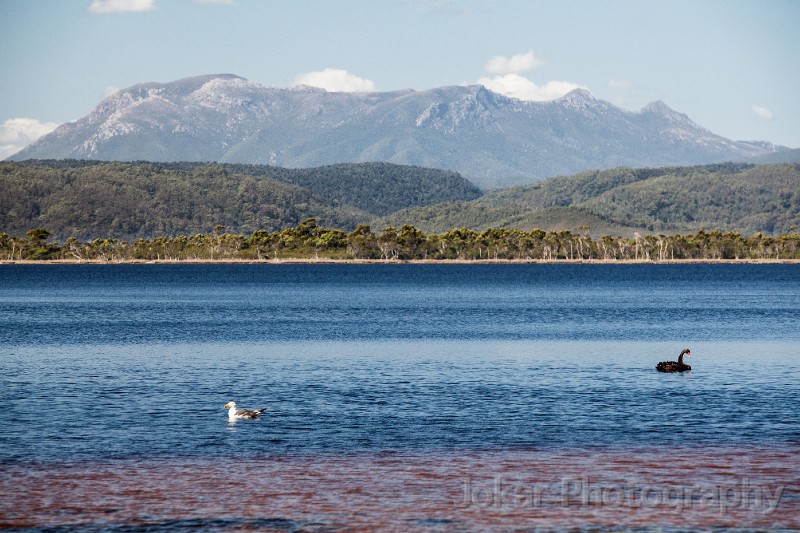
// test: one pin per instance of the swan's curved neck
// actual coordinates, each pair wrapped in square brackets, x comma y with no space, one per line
[680,359]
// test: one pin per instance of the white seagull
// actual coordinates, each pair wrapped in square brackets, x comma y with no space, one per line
[235,414]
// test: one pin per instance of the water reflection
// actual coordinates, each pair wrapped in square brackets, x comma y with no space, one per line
[465,490]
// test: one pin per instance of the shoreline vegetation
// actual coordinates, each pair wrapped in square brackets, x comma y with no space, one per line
[56,262]
[311,243]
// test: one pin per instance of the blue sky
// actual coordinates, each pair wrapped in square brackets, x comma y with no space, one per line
[733,66]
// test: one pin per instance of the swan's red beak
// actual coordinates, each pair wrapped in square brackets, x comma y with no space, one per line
[688,354]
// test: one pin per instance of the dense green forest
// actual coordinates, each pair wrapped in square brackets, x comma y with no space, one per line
[85,199]
[308,240]
[730,197]
[127,202]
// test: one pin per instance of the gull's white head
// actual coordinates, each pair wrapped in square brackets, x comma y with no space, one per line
[230,405]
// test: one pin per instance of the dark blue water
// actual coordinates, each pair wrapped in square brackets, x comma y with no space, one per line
[126,361]
[155,304]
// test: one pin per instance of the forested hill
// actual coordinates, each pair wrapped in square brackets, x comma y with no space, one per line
[736,197]
[128,200]
[87,199]
[379,188]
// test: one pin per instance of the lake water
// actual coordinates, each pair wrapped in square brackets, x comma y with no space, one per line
[399,397]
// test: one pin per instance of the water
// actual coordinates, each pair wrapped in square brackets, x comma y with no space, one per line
[390,389]
[147,304]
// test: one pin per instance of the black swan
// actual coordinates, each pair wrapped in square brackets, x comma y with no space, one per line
[675,366]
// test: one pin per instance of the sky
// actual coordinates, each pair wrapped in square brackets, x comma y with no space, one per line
[733,66]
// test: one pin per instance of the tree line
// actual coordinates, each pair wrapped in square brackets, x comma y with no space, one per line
[309,241]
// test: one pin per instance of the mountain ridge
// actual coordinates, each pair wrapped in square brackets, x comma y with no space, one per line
[491,139]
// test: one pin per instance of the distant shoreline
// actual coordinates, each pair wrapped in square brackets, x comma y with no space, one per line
[324,261]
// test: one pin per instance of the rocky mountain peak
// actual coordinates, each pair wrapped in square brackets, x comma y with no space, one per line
[578,99]
[663,111]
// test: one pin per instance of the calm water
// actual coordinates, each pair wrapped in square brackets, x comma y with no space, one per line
[392,392]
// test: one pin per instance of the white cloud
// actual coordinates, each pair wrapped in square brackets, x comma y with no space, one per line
[335,80]
[120,6]
[513,65]
[522,88]
[762,112]
[17,133]
[507,79]
[617,83]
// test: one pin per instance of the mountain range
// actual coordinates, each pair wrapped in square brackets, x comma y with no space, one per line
[492,140]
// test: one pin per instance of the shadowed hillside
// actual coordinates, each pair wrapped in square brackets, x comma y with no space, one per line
[127,200]
[735,197]
[122,200]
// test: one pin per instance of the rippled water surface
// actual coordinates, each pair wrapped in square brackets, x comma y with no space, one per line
[399,397]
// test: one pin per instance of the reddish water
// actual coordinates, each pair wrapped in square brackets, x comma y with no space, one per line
[712,488]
